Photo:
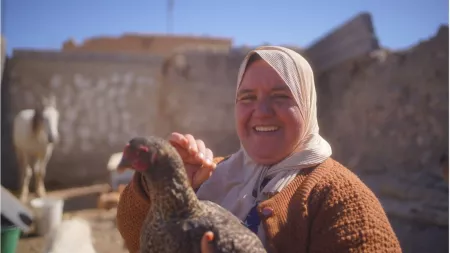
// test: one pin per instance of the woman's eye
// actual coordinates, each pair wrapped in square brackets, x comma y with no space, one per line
[247,98]
[281,96]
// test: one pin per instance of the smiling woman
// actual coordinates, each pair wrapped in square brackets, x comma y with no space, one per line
[282,183]
[267,115]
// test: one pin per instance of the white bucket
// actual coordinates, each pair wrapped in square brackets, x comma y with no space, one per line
[48,213]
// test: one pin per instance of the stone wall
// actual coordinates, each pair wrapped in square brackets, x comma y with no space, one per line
[207,95]
[352,39]
[106,99]
[386,116]
[103,100]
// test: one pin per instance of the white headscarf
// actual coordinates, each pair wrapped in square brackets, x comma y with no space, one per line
[234,180]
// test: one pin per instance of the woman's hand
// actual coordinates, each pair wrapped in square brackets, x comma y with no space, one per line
[197,159]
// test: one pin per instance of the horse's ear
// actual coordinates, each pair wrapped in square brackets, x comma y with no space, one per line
[49,101]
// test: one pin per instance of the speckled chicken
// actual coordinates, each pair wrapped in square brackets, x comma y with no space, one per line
[177,220]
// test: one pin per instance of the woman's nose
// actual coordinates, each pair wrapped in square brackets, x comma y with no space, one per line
[264,108]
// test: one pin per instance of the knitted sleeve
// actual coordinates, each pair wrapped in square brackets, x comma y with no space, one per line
[132,210]
[349,218]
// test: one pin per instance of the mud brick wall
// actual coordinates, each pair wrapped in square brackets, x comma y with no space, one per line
[161,45]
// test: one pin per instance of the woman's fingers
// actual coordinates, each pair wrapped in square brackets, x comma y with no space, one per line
[205,246]
[179,139]
[209,156]
[201,150]
[186,146]
[205,171]
[193,149]
[181,144]
[197,158]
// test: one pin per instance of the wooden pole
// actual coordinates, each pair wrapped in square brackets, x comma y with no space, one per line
[170,6]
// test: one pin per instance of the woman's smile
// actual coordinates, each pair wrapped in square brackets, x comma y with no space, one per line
[265,129]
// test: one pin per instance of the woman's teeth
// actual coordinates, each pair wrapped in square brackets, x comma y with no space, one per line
[266,128]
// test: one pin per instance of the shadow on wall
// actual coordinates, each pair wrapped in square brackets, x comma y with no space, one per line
[9,172]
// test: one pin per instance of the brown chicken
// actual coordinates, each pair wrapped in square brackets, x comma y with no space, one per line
[177,220]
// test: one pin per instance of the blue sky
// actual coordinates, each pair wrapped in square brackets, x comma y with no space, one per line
[46,24]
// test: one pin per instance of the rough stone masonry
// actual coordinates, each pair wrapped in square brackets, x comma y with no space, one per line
[386,116]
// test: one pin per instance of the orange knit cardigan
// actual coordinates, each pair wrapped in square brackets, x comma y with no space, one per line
[324,209]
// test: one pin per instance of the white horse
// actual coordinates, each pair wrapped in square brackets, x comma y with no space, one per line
[35,131]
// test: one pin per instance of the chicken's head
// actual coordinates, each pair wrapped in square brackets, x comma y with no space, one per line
[156,159]
[137,155]
[153,155]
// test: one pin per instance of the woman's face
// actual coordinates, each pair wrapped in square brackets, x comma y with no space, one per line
[267,116]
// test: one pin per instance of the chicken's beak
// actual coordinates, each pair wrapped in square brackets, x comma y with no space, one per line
[123,165]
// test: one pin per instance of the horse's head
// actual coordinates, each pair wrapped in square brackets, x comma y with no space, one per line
[50,118]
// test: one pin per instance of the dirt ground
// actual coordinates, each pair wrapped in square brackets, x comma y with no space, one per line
[82,202]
